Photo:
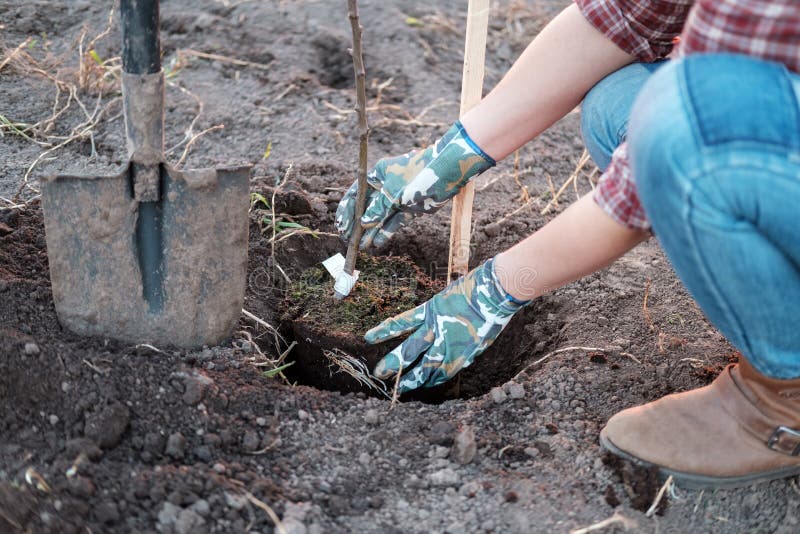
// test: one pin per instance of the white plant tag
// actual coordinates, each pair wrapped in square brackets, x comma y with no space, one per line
[344,282]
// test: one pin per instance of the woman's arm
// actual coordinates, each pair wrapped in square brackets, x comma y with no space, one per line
[548,80]
[577,242]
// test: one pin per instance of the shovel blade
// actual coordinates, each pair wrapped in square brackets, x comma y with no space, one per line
[90,226]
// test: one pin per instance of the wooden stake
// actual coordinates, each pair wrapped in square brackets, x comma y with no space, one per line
[471,94]
[363,131]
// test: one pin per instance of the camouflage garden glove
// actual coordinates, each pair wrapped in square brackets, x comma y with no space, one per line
[450,330]
[414,183]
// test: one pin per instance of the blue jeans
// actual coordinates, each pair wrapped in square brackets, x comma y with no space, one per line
[714,143]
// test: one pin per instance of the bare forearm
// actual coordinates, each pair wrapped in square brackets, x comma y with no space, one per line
[549,79]
[578,242]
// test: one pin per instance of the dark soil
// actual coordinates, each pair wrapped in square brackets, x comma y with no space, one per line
[101,436]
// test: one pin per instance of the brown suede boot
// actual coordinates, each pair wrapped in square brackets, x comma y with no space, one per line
[741,429]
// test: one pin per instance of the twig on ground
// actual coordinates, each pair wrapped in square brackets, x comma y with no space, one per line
[793,485]
[660,495]
[94,368]
[14,52]
[396,388]
[261,322]
[274,223]
[631,356]
[617,519]
[552,189]
[226,59]
[149,347]
[265,507]
[524,194]
[645,311]
[193,139]
[584,159]
[699,500]
[265,450]
[189,132]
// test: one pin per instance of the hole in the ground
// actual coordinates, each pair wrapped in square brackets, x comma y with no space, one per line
[322,331]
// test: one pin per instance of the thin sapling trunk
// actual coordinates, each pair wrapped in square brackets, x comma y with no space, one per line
[363,130]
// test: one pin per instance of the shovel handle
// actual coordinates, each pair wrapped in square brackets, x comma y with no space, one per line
[141,45]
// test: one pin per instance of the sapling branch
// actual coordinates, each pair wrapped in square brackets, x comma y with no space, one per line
[363,137]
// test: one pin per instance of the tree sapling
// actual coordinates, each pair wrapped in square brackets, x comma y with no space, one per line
[346,280]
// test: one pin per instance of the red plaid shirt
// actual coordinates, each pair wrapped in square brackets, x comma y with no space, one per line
[767,29]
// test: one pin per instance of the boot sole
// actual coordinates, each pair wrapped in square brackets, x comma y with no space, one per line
[693,481]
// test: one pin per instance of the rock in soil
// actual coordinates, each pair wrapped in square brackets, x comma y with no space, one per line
[107,425]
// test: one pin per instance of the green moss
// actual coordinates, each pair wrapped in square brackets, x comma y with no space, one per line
[386,286]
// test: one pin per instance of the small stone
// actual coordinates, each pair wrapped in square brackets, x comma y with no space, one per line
[188,521]
[53,420]
[444,478]
[154,443]
[201,507]
[533,452]
[302,415]
[371,417]
[203,453]
[31,349]
[492,230]
[168,515]
[250,441]
[442,433]
[498,395]
[465,446]
[516,391]
[219,468]
[294,526]
[440,452]
[261,421]
[237,502]
[364,459]
[195,385]
[176,445]
[107,426]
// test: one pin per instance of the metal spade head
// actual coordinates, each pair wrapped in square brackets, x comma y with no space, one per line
[153,254]
[95,256]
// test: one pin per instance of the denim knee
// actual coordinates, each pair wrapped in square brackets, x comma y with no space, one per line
[606,108]
[660,141]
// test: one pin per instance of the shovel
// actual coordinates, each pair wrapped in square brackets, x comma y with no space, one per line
[154,254]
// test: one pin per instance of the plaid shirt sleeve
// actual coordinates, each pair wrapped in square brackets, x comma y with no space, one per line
[616,192]
[766,29]
[642,28]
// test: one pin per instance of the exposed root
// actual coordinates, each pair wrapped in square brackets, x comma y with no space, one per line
[342,362]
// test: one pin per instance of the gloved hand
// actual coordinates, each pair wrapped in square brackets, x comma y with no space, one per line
[450,330]
[414,183]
